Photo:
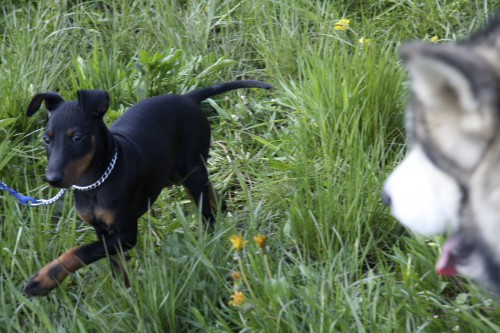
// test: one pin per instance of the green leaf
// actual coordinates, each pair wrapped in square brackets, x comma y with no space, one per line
[6,122]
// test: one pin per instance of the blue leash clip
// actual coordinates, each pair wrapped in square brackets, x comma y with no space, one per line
[23,199]
[30,201]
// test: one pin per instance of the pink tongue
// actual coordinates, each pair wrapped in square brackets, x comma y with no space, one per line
[446,264]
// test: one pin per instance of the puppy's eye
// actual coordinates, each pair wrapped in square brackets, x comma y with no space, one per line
[46,139]
[77,137]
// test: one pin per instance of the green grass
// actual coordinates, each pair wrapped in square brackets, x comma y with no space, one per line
[303,164]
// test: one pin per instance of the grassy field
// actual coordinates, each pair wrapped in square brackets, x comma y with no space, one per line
[303,165]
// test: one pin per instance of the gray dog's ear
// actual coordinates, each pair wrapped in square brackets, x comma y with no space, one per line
[52,101]
[456,88]
[451,77]
[93,102]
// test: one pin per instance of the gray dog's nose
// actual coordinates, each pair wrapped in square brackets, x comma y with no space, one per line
[386,199]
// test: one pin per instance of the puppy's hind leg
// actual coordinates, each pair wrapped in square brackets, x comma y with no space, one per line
[200,190]
[118,269]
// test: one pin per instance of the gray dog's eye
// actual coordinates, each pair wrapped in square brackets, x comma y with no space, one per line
[46,139]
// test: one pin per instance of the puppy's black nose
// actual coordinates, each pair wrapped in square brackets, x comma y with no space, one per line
[54,179]
[386,199]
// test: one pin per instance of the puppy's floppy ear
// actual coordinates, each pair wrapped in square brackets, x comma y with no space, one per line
[52,101]
[93,102]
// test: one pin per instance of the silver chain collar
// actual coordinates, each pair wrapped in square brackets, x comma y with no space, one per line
[90,187]
[101,180]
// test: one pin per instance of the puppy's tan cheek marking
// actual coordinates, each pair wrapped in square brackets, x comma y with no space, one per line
[77,168]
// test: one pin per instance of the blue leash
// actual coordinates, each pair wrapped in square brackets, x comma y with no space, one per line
[30,201]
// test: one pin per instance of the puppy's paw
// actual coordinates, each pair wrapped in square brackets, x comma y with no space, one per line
[39,285]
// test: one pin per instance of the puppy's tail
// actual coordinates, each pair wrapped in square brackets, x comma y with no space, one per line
[200,95]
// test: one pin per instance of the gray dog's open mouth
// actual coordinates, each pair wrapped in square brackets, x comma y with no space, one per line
[449,259]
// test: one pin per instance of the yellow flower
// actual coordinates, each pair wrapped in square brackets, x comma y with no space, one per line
[235,275]
[342,24]
[364,41]
[238,242]
[434,39]
[260,240]
[237,298]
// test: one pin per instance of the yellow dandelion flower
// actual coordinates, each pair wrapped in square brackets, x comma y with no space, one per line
[342,24]
[260,240]
[235,275]
[434,39]
[364,41]
[237,298]
[238,242]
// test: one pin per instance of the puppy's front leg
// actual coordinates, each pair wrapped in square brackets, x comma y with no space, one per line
[50,276]
[54,273]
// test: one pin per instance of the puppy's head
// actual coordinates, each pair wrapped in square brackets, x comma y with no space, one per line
[447,182]
[70,136]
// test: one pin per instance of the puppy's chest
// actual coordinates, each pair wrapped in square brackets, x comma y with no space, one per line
[95,214]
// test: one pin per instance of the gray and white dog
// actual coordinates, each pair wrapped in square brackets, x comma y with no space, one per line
[450,179]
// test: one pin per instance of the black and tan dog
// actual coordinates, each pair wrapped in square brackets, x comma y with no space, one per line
[118,173]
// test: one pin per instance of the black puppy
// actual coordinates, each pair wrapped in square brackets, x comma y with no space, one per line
[118,173]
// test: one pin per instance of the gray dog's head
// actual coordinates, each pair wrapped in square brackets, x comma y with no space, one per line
[450,179]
